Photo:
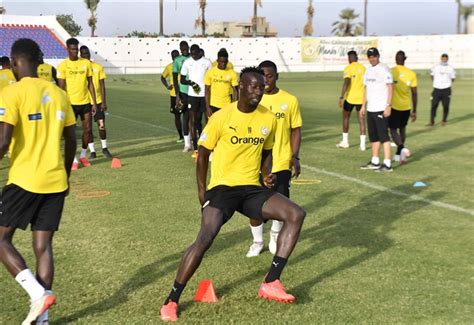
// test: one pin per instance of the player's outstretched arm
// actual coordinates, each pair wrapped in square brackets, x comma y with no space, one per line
[6,132]
[201,171]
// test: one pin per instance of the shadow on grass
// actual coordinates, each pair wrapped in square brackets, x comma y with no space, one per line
[439,147]
[455,120]
[151,273]
[366,226]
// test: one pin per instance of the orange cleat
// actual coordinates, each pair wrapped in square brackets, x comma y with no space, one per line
[75,166]
[85,162]
[169,312]
[39,306]
[275,291]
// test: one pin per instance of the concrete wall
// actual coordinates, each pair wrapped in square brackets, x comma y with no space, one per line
[151,55]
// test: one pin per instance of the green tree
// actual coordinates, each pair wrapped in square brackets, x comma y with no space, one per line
[308,28]
[201,20]
[346,26]
[92,21]
[466,12]
[141,34]
[68,23]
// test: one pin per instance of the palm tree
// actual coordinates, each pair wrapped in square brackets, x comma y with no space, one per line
[254,19]
[201,20]
[92,21]
[458,20]
[365,17]
[308,28]
[466,11]
[346,26]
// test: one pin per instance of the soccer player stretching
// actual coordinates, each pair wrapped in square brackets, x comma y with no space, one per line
[34,115]
[241,135]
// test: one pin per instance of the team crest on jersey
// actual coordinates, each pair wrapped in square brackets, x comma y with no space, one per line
[60,115]
[264,130]
[408,83]
[203,137]
[284,106]
[45,99]
[2,111]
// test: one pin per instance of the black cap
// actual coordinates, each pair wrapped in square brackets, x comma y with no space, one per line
[373,52]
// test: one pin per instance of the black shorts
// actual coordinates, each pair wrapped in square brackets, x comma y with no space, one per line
[349,107]
[378,127]
[99,113]
[18,208]
[184,101]
[247,199]
[398,119]
[81,110]
[282,184]
[173,109]
[197,104]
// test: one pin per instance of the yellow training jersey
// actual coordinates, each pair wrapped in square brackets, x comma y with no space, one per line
[75,73]
[39,111]
[287,111]
[168,75]
[6,78]
[355,93]
[98,74]
[238,140]
[221,83]
[403,80]
[229,65]
[45,71]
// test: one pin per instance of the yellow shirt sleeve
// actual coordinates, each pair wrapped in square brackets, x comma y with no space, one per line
[235,79]
[347,72]
[270,140]
[8,108]
[296,121]
[211,133]
[90,71]
[61,71]
[102,74]
[415,81]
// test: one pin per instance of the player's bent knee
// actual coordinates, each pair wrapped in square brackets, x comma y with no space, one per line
[297,215]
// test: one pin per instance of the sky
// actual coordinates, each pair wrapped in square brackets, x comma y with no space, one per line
[119,17]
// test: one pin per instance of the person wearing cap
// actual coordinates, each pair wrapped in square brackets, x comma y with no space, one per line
[351,97]
[377,102]
[404,101]
[443,76]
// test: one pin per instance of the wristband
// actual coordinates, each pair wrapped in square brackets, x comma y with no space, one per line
[341,97]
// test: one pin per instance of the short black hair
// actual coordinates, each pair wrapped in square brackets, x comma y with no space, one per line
[194,47]
[352,52]
[222,53]
[246,70]
[4,60]
[174,52]
[268,64]
[401,53]
[444,55]
[72,41]
[183,43]
[83,47]
[26,48]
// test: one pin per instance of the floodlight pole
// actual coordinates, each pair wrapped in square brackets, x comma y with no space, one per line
[161,18]
[365,17]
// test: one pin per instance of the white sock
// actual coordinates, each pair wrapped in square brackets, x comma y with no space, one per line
[103,143]
[375,160]
[257,233]
[91,147]
[362,139]
[75,160]
[187,141]
[387,162]
[345,137]
[276,226]
[83,153]
[42,318]
[28,282]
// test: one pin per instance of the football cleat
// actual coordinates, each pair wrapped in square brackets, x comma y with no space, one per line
[275,291]
[370,165]
[93,155]
[39,306]
[75,166]
[343,145]
[85,162]
[169,312]
[362,146]
[384,168]
[107,153]
[404,154]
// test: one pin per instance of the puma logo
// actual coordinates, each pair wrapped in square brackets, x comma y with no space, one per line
[275,264]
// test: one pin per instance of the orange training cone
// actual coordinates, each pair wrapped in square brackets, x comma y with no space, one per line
[116,163]
[205,292]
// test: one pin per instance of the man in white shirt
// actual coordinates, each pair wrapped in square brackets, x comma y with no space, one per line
[192,74]
[378,84]
[443,76]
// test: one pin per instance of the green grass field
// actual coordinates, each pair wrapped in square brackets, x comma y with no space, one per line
[373,248]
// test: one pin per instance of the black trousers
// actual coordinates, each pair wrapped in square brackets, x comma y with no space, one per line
[443,96]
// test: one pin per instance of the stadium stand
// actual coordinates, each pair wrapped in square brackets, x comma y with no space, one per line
[51,46]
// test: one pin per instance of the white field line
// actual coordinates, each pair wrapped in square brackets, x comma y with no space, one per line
[389,190]
[341,176]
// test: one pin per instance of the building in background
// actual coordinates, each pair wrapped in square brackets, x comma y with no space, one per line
[241,29]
